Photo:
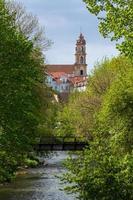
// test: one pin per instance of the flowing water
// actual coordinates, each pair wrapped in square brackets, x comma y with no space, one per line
[39,183]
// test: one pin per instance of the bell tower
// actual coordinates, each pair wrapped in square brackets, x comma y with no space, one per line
[80,57]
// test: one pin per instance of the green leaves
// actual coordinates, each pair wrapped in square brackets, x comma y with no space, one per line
[21,77]
[115,22]
[104,171]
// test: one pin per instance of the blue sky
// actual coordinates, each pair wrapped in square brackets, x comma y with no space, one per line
[62,20]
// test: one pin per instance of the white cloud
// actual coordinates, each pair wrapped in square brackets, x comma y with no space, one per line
[62,20]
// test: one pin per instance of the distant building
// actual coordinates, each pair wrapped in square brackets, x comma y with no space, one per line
[67,78]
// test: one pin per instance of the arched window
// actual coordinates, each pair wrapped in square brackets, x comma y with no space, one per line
[81,72]
[82,60]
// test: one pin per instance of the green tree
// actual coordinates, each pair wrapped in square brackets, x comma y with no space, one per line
[77,117]
[21,80]
[104,170]
[49,109]
[66,125]
[116,115]
[115,21]
[28,24]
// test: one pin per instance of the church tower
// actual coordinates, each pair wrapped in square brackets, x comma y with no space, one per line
[80,57]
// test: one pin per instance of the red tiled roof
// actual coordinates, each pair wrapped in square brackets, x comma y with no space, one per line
[69,69]
[78,79]
[57,75]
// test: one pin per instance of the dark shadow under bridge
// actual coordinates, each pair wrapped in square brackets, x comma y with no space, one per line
[61,144]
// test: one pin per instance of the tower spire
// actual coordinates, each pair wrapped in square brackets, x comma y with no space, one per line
[80,55]
[80,50]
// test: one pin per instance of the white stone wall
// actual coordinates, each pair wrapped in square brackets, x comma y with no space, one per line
[63,86]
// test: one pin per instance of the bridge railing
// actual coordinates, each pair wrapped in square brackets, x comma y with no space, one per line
[60,140]
[61,143]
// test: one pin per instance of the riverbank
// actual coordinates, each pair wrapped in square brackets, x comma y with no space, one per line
[40,183]
[28,163]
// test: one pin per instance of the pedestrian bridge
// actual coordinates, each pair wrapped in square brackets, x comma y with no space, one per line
[61,144]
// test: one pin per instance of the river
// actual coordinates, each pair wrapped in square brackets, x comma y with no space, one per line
[39,184]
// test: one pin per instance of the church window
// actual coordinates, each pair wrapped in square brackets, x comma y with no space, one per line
[81,72]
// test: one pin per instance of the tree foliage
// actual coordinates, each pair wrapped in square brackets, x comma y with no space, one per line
[104,170]
[78,116]
[115,21]
[116,114]
[23,93]
[28,24]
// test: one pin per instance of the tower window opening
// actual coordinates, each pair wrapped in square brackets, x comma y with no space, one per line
[81,72]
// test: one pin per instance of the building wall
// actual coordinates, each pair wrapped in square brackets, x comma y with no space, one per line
[63,86]
[79,69]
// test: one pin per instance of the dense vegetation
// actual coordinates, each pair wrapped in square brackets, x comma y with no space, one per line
[24,98]
[103,114]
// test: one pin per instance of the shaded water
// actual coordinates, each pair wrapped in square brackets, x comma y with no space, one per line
[38,184]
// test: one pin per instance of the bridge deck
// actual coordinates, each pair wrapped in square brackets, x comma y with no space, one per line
[61,144]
